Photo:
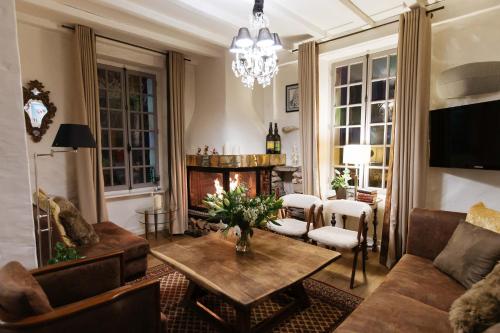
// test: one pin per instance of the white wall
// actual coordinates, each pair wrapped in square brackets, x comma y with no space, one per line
[17,239]
[469,39]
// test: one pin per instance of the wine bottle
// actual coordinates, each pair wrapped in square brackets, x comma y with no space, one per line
[270,140]
[277,140]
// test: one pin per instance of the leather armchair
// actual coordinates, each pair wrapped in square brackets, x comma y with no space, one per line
[89,295]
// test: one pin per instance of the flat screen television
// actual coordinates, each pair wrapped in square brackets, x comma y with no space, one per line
[466,136]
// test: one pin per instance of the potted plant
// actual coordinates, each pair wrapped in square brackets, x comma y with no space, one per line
[241,213]
[341,182]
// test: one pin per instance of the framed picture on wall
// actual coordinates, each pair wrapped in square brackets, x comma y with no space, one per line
[292,97]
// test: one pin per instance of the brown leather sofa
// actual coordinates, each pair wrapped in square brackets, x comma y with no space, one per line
[89,295]
[415,296]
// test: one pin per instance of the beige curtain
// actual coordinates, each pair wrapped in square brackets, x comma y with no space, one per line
[309,116]
[89,172]
[407,169]
[176,152]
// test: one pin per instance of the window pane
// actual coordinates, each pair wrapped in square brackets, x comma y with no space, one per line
[149,122]
[377,113]
[105,158]
[119,177]
[138,175]
[135,121]
[342,133]
[387,155]
[115,100]
[118,158]
[107,177]
[377,135]
[150,104]
[378,90]
[377,156]
[101,77]
[137,157]
[390,108]
[149,139]
[133,84]
[354,135]
[135,102]
[104,138]
[103,103]
[379,68]
[341,96]
[375,178]
[340,116]
[355,94]
[150,157]
[356,73]
[355,115]
[117,139]
[104,119]
[136,138]
[393,63]
[116,119]
[392,87]
[150,175]
[341,76]
[338,156]
[150,86]
[385,177]
[389,134]
[114,80]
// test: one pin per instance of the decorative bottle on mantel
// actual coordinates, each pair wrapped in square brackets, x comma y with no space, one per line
[270,140]
[277,140]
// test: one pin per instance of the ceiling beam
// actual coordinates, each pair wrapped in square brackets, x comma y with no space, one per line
[139,11]
[99,22]
[358,12]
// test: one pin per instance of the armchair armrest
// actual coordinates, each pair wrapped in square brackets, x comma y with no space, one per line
[72,281]
[430,230]
[131,308]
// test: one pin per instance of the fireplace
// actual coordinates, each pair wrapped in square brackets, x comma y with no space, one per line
[204,174]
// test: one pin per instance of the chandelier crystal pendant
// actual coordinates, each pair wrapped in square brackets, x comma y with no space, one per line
[255,57]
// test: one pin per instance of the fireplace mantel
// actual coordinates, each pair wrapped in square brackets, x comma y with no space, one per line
[236,161]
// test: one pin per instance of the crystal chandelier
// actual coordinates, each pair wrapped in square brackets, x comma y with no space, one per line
[255,58]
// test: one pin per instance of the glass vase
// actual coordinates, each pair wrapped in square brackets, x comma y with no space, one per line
[243,243]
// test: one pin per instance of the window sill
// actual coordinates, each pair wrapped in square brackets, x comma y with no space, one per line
[128,194]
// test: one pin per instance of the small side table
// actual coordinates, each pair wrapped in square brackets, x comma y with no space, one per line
[147,212]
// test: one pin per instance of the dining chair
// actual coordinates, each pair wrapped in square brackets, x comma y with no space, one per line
[290,226]
[340,238]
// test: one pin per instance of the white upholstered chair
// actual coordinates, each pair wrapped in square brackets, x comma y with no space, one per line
[293,227]
[341,238]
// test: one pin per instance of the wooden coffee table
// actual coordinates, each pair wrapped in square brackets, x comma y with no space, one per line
[275,264]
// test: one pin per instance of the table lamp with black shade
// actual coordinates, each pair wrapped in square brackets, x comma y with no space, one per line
[68,136]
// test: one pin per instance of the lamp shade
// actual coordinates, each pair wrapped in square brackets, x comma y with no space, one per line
[74,136]
[265,38]
[233,48]
[244,39]
[357,154]
[277,42]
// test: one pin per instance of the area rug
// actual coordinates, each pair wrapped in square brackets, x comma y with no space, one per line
[329,306]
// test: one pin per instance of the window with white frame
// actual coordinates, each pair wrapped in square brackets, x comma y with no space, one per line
[363,103]
[127,101]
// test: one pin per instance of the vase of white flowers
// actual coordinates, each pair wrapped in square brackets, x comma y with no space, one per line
[241,213]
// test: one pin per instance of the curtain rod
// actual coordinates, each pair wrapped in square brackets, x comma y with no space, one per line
[361,31]
[126,43]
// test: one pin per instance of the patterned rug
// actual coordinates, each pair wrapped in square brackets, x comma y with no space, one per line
[329,306]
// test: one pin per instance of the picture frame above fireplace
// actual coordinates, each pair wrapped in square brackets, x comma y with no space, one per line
[292,98]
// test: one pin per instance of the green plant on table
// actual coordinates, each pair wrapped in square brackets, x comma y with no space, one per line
[341,180]
[64,253]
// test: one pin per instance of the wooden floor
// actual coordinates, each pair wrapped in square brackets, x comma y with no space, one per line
[337,274]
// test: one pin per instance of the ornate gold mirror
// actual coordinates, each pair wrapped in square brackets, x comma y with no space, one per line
[38,110]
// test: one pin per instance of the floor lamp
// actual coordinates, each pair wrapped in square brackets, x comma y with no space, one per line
[68,136]
[357,155]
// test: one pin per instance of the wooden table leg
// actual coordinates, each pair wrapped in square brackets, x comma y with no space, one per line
[375,223]
[243,320]
[146,222]
[156,225]
[300,295]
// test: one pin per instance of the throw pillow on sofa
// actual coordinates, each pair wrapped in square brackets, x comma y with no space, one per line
[471,253]
[484,217]
[21,295]
[479,307]
[79,230]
